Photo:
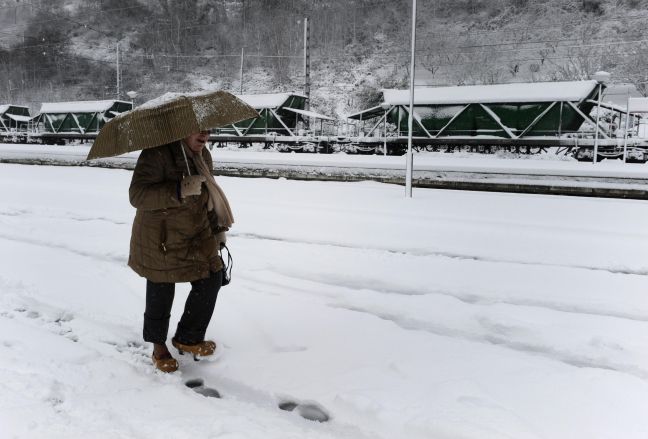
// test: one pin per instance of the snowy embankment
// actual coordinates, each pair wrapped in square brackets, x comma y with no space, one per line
[449,315]
[536,165]
[543,173]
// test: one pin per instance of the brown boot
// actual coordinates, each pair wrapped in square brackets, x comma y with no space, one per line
[166,364]
[201,349]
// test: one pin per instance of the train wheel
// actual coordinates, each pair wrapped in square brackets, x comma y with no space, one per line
[534,150]
[483,149]
[397,150]
[280,147]
[324,148]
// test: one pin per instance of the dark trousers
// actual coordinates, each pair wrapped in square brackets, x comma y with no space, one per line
[198,310]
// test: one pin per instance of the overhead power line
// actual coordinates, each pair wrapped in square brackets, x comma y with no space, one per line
[524,28]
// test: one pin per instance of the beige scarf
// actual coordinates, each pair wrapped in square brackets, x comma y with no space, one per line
[217,199]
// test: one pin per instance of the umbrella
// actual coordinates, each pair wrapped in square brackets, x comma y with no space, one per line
[169,118]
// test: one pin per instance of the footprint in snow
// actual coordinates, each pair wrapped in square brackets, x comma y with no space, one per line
[198,386]
[135,350]
[310,411]
[64,317]
[56,324]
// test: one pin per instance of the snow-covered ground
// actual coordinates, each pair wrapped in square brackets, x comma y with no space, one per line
[541,173]
[545,165]
[449,315]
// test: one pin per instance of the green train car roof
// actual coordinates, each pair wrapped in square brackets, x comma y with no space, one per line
[7,107]
[268,100]
[79,106]
[496,93]
[18,117]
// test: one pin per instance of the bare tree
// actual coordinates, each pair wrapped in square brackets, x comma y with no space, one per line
[634,68]
[513,67]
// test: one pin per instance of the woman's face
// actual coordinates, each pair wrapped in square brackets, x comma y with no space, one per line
[197,141]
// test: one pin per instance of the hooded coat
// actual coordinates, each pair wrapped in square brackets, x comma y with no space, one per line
[173,239]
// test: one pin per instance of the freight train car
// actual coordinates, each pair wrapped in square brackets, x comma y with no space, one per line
[14,120]
[79,116]
[13,117]
[283,122]
[60,122]
[276,114]
[520,116]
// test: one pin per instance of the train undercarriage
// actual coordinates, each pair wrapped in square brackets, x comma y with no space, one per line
[636,150]
[581,149]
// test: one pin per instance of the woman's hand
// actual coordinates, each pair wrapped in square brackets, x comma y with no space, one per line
[221,238]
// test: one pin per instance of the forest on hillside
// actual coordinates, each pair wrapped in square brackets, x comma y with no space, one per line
[64,49]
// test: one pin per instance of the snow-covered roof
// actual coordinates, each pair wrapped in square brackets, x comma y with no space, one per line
[171,96]
[608,105]
[309,113]
[78,106]
[638,105]
[268,100]
[18,118]
[4,108]
[368,113]
[497,93]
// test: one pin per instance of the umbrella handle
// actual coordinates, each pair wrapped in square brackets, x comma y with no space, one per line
[184,154]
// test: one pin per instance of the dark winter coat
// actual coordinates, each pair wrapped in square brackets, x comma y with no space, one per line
[173,239]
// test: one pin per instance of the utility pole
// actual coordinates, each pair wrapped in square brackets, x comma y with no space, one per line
[118,75]
[307,66]
[241,73]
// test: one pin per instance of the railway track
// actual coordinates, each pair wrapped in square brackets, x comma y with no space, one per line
[543,177]
[581,148]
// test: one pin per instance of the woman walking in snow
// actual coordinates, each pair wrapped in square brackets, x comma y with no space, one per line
[178,231]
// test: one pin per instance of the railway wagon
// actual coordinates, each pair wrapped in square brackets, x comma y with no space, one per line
[278,113]
[77,117]
[14,119]
[283,124]
[515,115]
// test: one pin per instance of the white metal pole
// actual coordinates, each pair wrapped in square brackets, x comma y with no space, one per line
[625,131]
[598,112]
[410,158]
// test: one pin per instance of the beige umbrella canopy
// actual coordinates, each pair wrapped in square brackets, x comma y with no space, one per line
[169,118]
